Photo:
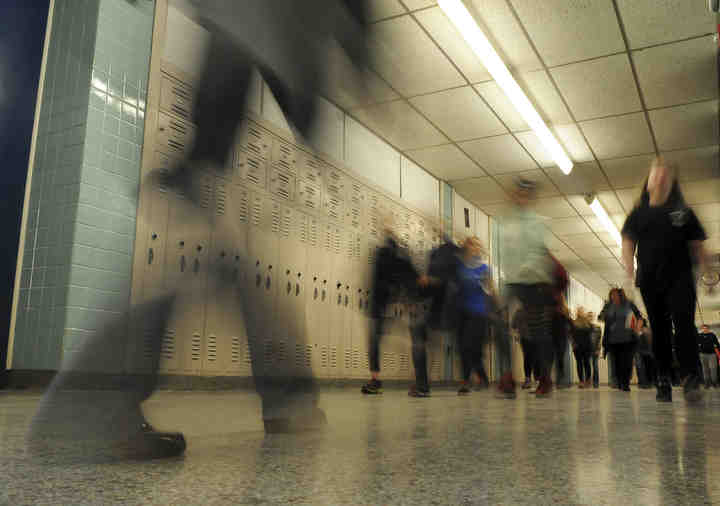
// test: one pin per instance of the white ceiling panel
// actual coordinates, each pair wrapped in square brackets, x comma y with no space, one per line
[702,192]
[693,164]
[678,73]
[418,4]
[686,126]
[619,136]
[607,239]
[500,103]
[481,190]
[499,209]
[649,22]
[627,172]
[536,148]
[619,219]
[554,207]
[553,243]
[579,204]
[707,212]
[604,264]
[506,35]
[569,226]
[582,241]
[628,197]
[407,58]
[566,256]
[499,155]
[610,202]
[446,162]
[400,124]
[541,92]
[598,88]
[590,254]
[584,178]
[545,188]
[449,39]
[566,32]
[460,113]
[574,142]
[381,9]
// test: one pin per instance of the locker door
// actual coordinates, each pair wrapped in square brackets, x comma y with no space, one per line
[317,301]
[240,358]
[186,275]
[149,278]
[336,326]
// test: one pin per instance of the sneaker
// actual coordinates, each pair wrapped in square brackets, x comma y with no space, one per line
[664,391]
[691,389]
[419,393]
[544,388]
[506,387]
[372,387]
[581,385]
[596,385]
[625,388]
[152,444]
[527,384]
[464,390]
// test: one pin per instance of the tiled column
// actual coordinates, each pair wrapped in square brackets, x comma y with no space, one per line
[80,216]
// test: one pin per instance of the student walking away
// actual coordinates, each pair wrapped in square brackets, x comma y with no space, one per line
[476,302]
[668,239]
[620,339]
[528,271]
[561,333]
[393,274]
[708,346]
[582,346]
[596,337]
[644,362]
[440,286]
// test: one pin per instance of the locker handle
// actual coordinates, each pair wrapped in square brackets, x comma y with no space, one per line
[182,263]
[289,287]
[339,300]
[258,280]
[297,289]
[151,255]
[346,301]
[323,295]
[315,294]
[267,283]
[196,266]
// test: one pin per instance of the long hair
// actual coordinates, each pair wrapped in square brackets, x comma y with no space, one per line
[675,198]
[620,292]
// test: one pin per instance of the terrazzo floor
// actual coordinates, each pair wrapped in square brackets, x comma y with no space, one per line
[578,447]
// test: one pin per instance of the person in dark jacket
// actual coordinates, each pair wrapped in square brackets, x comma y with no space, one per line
[668,239]
[644,362]
[708,345]
[393,273]
[620,339]
[582,346]
[596,336]
[439,286]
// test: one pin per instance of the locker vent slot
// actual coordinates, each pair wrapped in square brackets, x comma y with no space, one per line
[167,349]
[335,182]
[304,229]
[308,355]
[243,204]
[235,350]
[248,357]
[211,348]
[196,347]
[268,353]
[220,199]
[313,232]
[333,357]
[328,239]
[282,351]
[276,219]
[312,170]
[255,140]
[336,241]
[324,357]
[286,224]
[180,111]
[255,173]
[404,363]
[257,209]
[282,185]
[357,251]
[299,355]
[365,362]
[148,339]
[207,191]
[309,196]
[348,359]
[350,246]
[435,369]
[356,195]
[333,207]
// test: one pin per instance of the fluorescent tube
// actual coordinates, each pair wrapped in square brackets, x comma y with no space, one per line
[604,218]
[458,14]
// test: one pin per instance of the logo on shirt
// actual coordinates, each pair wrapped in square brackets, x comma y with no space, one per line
[679,218]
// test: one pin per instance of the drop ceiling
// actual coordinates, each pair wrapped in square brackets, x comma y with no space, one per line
[618,81]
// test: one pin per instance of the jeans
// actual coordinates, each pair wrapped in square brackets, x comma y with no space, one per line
[612,373]
[419,334]
[582,359]
[709,367]
[472,336]
[595,369]
[528,360]
[623,355]
[645,365]
[376,334]
[539,308]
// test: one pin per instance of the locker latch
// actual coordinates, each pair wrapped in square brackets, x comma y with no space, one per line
[289,287]
[182,263]
[267,283]
[196,266]
[151,255]
[297,289]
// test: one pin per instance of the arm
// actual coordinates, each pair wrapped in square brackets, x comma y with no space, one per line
[697,251]
[628,255]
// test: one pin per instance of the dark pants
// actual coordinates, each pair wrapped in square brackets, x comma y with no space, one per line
[673,307]
[419,334]
[623,354]
[645,365]
[539,308]
[528,360]
[376,335]
[582,360]
[595,369]
[472,336]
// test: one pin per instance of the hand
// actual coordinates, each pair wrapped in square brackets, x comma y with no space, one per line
[423,281]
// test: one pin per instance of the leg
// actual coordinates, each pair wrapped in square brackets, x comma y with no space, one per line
[705,361]
[374,386]
[580,370]
[713,369]
[658,314]
[586,364]
[527,360]
[681,302]
[596,371]
[419,334]
[641,372]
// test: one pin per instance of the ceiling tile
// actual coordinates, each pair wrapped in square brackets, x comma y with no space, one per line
[627,172]
[597,88]
[678,73]
[460,113]
[584,178]
[499,155]
[628,197]
[400,125]
[418,4]
[500,103]
[610,202]
[693,164]
[553,243]
[481,190]
[619,136]
[566,32]
[407,58]
[545,188]
[449,39]
[498,209]
[607,239]
[572,139]
[381,9]
[569,226]
[707,212]
[579,204]
[565,256]
[686,126]
[649,22]
[536,148]
[554,207]
[542,92]
[505,34]
[446,162]
[619,219]
[702,192]
[607,264]
[582,241]
[590,254]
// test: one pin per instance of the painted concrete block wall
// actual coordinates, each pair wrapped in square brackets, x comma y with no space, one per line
[83,194]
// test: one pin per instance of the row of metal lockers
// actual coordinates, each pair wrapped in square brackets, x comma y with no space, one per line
[275,261]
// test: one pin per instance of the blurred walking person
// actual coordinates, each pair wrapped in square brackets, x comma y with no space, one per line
[644,361]
[708,346]
[596,336]
[582,346]
[620,339]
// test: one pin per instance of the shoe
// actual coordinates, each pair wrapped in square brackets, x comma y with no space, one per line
[625,388]
[151,444]
[581,385]
[372,387]
[544,388]
[419,393]
[527,384]
[312,421]
[664,390]
[691,389]
[506,387]
[595,385]
[464,390]
[707,387]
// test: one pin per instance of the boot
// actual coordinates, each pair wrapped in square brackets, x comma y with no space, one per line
[664,390]
[506,387]
[544,388]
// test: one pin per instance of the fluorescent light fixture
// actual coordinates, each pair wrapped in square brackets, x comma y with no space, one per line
[456,11]
[604,218]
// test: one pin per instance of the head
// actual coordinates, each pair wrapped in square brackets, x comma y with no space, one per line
[581,312]
[661,184]
[704,329]
[591,316]
[472,247]
[525,190]
[617,296]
